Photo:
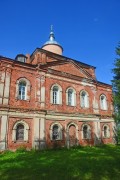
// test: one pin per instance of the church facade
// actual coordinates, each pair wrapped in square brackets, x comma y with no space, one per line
[49,100]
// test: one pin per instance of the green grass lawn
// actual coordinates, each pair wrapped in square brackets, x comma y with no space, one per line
[81,163]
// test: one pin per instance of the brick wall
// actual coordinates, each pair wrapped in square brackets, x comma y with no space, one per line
[15,144]
[41,80]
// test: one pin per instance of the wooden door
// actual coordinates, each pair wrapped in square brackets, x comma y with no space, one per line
[72,135]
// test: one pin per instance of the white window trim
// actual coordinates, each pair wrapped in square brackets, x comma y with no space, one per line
[27,89]
[88,134]
[108,131]
[56,95]
[103,105]
[20,98]
[59,94]
[73,97]
[86,101]
[26,129]
[60,128]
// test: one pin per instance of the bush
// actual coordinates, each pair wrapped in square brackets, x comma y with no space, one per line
[21,149]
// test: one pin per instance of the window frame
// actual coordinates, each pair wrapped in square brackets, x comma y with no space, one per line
[103,102]
[60,132]
[70,97]
[55,132]
[26,131]
[107,131]
[27,89]
[71,102]
[84,103]
[88,131]
[56,96]
[18,136]
[22,96]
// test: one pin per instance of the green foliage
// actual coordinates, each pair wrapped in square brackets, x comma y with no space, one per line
[116,84]
[118,133]
[117,117]
[21,149]
[80,163]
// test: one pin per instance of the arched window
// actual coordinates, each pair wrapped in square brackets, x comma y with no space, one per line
[103,102]
[106,131]
[56,94]
[22,90]
[20,132]
[56,131]
[86,130]
[55,134]
[70,97]
[84,100]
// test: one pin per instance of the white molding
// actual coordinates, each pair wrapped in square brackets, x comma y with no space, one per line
[26,129]
[60,128]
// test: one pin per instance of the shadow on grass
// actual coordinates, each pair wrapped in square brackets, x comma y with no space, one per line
[83,163]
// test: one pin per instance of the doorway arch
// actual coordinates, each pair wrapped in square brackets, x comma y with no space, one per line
[72,134]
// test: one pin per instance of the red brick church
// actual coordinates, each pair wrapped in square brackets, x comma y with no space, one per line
[47,100]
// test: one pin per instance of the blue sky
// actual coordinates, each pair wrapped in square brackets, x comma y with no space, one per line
[88,30]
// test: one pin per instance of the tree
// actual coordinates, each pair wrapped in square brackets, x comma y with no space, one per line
[116,91]
[116,84]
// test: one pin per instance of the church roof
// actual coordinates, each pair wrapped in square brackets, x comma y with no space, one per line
[52,40]
[61,57]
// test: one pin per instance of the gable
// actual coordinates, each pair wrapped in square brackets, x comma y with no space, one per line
[72,69]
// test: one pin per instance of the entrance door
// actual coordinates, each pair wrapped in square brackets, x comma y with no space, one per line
[72,135]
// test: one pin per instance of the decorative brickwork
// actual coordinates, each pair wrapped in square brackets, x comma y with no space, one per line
[46,121]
